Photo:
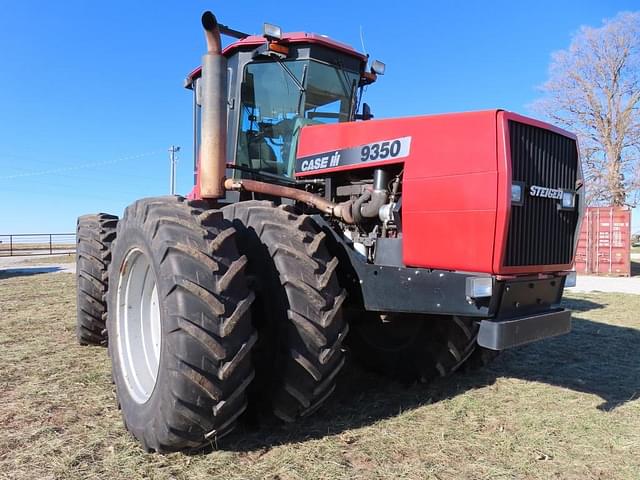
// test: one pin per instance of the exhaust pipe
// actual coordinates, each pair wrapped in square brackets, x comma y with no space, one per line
[213,127]
[338,210]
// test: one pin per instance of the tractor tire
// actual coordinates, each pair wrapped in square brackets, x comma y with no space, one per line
[179,324]
[94,236]
[411,347]
[297,311]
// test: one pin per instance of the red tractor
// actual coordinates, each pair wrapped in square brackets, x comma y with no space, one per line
[422,244]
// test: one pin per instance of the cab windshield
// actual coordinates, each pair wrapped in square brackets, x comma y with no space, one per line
[278,99]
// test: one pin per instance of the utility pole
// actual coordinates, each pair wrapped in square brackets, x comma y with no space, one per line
[173,159]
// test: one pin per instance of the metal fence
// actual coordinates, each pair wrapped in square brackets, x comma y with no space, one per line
[37,244]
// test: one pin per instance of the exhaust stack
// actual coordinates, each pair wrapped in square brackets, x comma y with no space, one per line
[213,136]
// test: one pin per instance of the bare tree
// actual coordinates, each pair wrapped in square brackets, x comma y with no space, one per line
[594,90]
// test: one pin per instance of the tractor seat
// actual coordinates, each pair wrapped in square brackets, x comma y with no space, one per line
[256,153]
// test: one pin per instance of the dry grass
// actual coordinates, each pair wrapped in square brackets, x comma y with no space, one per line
[565,408]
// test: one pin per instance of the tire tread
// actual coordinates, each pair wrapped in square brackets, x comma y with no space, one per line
[95,234]
[293,248]
[209,333]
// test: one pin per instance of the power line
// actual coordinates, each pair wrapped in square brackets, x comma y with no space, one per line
[77,167]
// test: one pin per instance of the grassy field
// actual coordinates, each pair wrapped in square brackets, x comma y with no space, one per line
[566,408]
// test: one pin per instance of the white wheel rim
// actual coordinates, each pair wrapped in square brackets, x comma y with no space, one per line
[138,325]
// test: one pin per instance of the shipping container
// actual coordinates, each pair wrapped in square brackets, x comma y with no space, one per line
[604,243]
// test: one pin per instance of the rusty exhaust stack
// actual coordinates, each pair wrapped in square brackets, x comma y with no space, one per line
[213,88]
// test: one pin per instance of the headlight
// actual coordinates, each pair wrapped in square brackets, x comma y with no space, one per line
[479,287]
[516,193]
[570,280]
[568,200]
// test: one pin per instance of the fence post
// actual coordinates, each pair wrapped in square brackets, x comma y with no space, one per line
[11,245]
[50,245]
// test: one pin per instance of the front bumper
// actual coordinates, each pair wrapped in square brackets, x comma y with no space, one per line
[502,334]
[520,310]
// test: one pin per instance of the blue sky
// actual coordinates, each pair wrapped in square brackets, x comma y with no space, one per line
[91,93]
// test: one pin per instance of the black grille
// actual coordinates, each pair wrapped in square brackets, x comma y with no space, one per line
[540,233]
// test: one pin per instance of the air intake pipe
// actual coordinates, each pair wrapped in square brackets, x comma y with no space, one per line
[369,204]
[213,136]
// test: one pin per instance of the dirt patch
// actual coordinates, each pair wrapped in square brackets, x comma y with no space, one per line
[564,408]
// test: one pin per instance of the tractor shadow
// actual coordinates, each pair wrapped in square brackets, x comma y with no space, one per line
[595,358]
[26,271]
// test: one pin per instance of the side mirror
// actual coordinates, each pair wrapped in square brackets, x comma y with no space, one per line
[378,67]
[366,113]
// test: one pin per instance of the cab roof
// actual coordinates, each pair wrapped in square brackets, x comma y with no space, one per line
[253,41]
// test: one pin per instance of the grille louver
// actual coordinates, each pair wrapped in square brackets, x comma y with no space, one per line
[539,233]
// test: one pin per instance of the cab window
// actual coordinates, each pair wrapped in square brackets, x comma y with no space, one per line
[278,99]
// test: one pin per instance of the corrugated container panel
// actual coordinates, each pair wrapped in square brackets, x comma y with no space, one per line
[604,243]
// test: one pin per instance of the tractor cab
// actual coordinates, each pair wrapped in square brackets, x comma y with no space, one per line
[276,85]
